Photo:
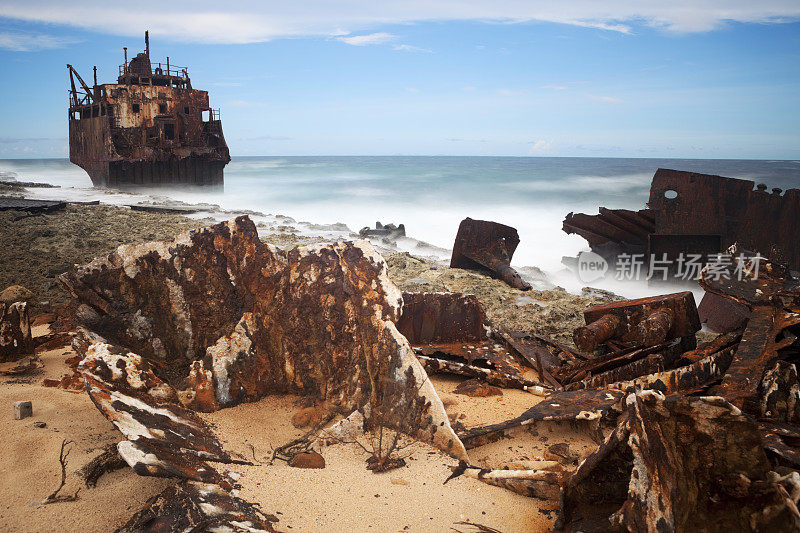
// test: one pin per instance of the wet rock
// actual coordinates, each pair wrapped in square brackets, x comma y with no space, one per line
[307,460]
[316,320]
[16,293]
[15,332]
[477,389]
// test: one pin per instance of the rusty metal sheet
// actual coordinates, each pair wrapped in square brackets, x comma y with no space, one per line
[588,405]
[735,209]
[750,282]
[441,317]
[780,393]
[641,363]
[672,251]
[641,322]
[198,507]
[722,315]
[532,349]
[677,464]
[757,351]
[163,438]
[31,206]
[482,245]
[492,376]
[624,230]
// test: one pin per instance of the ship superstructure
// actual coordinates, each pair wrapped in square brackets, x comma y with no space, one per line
[151,128]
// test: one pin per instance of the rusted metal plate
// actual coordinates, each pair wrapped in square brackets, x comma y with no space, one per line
[672,253]
[490,375]
[751,281]
[735,209]
[441,317]
[780,393]
[757,352]
[642,322]
[616,226]
[163,438]
[588,405]
[722,315]
[677,464]
[198,507]
[485,245]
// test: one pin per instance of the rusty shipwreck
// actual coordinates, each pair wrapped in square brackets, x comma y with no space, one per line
[150,128]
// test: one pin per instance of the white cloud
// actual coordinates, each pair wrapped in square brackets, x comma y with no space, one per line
[410,48]
[412,90]
[371,38]
[604,99]
[249,21]
[554,87]
[27,42]
[540,146]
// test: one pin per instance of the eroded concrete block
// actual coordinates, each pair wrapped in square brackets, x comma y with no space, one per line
[22,409]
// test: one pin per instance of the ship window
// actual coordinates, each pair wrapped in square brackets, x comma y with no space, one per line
[135,108]
[186,110]
[76,115]
[102,110]
[95,111]
[169,131]
[162,108]
[206,115]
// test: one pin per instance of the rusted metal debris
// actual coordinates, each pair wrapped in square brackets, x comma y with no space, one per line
[450,333]
[587,405]
[163,438]
[613,231]
[640,323]
[484,245]
[697,214]
[30,206]
[679,464]
[210,309]
[191,506]
[722,315]
[734,209]
[16,341]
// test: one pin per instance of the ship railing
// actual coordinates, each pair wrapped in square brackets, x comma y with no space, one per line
[213,115]
[160,69]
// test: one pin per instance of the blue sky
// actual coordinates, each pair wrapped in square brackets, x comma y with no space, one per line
[635,79]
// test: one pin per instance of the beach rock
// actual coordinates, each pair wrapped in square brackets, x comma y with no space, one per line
[15,332]
[316,320]
[309,417]
[16,293]
[307,460]
[477,389]
[22,409]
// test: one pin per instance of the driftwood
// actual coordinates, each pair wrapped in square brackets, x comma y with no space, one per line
[55,497]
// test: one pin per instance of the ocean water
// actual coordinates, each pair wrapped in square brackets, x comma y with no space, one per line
[430,195]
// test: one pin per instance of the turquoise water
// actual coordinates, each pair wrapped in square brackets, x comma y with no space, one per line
[431,195]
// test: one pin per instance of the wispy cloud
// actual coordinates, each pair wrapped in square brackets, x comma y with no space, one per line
[368,39]
[30,42]
[410,48]
[250,21]
[412,90]
[604,99]
[554,87]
